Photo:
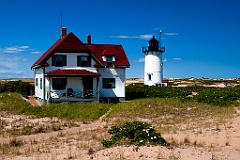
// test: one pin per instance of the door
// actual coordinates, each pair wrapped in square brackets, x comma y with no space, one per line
[88,86]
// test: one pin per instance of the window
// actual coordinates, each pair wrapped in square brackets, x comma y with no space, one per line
[149,76]
[59,83]
[40,83]
[59,60]
[83,61]
[36,82]
[109,60]
[108,82]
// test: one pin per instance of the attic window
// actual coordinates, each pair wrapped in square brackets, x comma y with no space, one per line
[109,58]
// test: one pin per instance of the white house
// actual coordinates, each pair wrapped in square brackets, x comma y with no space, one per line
[73,71]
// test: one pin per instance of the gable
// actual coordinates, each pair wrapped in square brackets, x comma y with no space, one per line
[70,43]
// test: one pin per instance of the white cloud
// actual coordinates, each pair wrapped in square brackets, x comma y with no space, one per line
[12,50]
[157,29]
[24,47]
[140,60]
[35,52]
[15,74]
[15,49]
[143,36]
[170,34]
[16,66]
[11,63]
[165,60]
[177,59]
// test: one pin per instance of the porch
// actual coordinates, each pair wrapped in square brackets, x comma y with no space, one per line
[69,96]
[74,100]
[72,86]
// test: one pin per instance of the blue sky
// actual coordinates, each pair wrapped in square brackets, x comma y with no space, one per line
[202,37]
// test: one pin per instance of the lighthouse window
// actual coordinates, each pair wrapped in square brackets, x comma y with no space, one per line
[149,76]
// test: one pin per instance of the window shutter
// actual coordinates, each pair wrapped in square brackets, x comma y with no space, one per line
[88,61]
[78,60]
[64,60]
[53,60]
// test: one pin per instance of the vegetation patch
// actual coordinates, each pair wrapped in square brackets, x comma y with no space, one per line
[14,103]
[136,133]
[210,95]
[169,113]
[24,88]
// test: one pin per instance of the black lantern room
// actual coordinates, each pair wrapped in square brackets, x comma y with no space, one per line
[153,46]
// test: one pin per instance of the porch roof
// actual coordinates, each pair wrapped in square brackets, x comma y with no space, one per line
[72,73]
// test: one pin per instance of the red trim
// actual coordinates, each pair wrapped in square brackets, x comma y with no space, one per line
[72,72]
[164,81]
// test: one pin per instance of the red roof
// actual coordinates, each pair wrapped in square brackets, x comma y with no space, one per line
[72,72]
[71,43]
[100,50]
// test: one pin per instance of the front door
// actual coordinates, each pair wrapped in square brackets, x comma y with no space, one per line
[88,86]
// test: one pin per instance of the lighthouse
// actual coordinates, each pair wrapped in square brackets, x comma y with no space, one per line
[153,68]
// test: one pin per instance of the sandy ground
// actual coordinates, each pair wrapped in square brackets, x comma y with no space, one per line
[77,140]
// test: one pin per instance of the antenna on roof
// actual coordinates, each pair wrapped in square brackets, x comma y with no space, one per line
[160,37]
[61,19]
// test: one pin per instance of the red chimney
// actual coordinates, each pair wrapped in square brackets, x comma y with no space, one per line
[89,39]
[63,32]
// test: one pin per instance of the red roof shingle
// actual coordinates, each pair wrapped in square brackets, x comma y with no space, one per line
[110,50]
[71,43]
[73,72]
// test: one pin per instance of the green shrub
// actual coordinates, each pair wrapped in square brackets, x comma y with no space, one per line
[210,95]
[135,91]
[137,133]
[24,88]
[218,96]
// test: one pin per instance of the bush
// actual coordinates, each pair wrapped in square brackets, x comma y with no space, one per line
[24,88]
[137,133]
[210,95]
[135,91]
[218,96]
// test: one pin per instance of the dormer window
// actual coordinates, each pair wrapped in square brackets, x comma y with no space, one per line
[59,60]
[109,60]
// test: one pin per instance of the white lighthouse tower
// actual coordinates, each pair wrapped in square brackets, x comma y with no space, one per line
[153,69]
